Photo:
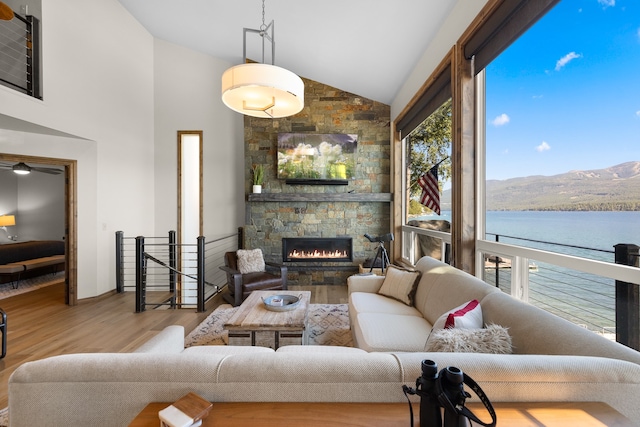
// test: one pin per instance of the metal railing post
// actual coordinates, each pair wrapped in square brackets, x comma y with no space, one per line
[497,265]
[627,299]
[173,263]
[140,275]
[33,58]
[200,274]
[119,262]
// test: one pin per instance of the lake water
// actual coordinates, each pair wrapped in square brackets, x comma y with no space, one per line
[585,299]
[597,230]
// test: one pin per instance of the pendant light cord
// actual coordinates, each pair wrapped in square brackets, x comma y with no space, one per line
[263,27]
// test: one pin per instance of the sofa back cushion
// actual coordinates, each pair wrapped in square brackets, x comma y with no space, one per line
[536,331]
[443,287]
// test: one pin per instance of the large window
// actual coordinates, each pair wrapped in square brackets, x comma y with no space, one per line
[562,159]
[428,173]
[562,145]
[426,165]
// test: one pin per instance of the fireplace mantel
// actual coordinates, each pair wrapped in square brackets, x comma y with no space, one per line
[320,197]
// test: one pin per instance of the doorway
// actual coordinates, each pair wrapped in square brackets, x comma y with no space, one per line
[70,226]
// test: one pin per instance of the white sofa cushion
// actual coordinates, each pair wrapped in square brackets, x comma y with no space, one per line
[226,349]
[364,283]
[366,302]
[326,349]
[390,332]
[442,287]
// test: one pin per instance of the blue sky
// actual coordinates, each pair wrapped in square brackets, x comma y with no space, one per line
[566,95]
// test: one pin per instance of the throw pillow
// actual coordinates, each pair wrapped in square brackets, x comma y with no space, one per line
[400,284]
[467,315]
[492,339]
[250,260]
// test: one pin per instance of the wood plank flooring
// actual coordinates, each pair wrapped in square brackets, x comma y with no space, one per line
[40,325]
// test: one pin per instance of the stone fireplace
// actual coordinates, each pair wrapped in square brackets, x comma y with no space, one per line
[301,249]
[321,211]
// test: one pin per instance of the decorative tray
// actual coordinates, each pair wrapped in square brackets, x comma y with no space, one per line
[281,302]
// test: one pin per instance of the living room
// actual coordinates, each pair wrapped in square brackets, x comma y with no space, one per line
[122,130]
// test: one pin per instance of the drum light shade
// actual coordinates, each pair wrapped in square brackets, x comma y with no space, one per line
[262,90]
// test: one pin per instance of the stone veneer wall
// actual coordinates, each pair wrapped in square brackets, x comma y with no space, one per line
[327,110]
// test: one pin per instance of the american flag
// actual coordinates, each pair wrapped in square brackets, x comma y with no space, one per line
[430,196]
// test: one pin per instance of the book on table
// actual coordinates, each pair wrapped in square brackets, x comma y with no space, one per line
[188,411]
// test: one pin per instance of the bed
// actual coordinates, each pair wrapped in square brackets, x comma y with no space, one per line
[20,260]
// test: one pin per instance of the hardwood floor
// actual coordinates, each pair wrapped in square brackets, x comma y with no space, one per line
[40,325]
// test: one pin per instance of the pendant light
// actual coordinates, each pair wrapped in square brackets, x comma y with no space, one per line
[259,89]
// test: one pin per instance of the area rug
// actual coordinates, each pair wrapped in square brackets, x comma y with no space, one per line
[28,285]
[4,417]
[328,325]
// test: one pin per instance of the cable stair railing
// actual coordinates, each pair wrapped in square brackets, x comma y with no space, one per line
[165,274]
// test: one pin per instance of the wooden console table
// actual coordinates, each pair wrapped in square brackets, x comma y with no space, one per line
[254,414]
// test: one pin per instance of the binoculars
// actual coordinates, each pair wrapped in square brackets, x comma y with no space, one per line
[445,389]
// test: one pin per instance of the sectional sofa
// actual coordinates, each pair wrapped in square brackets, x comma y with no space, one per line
[381,323]
[110,389]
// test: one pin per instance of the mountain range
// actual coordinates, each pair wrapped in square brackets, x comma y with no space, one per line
[616,188]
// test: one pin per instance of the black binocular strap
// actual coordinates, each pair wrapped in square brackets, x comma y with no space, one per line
[407,391]
[464,410]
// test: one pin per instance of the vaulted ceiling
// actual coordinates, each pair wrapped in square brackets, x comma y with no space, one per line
[366,47]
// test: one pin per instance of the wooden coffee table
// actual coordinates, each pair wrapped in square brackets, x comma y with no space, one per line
[254,324]
[283,414]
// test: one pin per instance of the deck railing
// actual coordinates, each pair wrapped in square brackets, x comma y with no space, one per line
[164,273]
[596,294]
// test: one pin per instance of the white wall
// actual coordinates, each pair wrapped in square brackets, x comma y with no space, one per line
[187,97]
[37,201]
[40,213]
[8,200]
[98,87]
[105,83]
[8,192]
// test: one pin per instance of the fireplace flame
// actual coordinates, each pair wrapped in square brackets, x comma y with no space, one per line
[317,254]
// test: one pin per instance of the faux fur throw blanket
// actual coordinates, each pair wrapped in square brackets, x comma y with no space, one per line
[492,339]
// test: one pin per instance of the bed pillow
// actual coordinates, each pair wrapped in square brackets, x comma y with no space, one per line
[400,284]
[493,339]
[250,261]
[467,316]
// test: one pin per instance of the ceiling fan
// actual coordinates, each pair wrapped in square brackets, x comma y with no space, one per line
[23,169]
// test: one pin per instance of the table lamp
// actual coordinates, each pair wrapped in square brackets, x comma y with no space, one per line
[7,220]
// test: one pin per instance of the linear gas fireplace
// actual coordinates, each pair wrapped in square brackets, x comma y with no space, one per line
[299,249]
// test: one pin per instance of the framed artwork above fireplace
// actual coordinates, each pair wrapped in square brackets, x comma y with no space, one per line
[305,158]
